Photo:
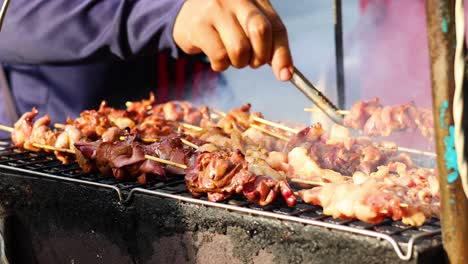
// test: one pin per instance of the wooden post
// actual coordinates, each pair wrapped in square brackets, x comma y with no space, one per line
[454,214]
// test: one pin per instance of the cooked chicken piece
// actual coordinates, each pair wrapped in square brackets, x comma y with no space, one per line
[23,128]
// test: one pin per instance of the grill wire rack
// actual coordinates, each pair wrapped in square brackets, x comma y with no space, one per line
[402,238]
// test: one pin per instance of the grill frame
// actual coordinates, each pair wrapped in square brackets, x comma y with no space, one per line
[15,160]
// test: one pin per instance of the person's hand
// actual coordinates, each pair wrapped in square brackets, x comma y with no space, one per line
[235,32]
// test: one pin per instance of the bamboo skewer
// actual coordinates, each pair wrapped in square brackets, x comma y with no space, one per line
[214,116]
[416,151]
[149,157]
[219,112]
[189,126]
[271,133]
[59,126]
[409,150]
[183,166]
[167,162]
[307,182]
[273,124]
[41,146]
[149,140]
[317,110]
[264,121]
[152,140]
[188,143]
[6,128]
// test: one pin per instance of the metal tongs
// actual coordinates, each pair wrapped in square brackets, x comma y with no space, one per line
[320,100]
[3,12]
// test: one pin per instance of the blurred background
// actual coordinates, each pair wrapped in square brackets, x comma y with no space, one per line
[311,35]
[385,55]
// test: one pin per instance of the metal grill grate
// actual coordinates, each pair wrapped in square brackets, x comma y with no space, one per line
[399,235]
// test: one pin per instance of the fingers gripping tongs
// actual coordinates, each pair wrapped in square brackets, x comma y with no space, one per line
[320,100]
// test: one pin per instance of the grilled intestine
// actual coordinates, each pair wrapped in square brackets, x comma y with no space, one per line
[361,178]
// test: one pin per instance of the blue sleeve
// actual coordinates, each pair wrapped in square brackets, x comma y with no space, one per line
[71,31]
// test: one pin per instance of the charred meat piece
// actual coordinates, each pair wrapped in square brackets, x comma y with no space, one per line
[172,149]
[119,118]
[222,174]
[264,190]
[153,127]
[306,137]
[139,110]
[92,124]
[86,155]
[219,175]
[236,119]
[124,160]
[181,111]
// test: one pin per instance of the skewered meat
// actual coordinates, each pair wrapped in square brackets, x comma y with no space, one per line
[371,201]
[236,158]
[92,124]
[376,120]
[172,149]
[360,112]
[26,132]
[240,119]
[124,160]
[139,110]
[263,140]
[65,140]
[23,129]
[306,137]
[339,154]
[236,119]
[154,127]
[117,117]
[221,174]
[302,166]
[410,195]
[181,111]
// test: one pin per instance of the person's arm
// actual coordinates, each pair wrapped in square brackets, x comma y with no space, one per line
[70,31]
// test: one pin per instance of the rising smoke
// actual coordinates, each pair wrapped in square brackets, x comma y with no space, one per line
[386,55]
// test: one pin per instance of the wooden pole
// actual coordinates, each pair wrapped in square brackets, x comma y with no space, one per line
[454,214]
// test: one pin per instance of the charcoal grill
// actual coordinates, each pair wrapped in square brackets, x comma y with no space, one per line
[404,240]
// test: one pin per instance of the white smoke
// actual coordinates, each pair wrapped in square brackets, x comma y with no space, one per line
[310,30]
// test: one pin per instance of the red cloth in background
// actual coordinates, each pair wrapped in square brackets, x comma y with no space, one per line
[185,78]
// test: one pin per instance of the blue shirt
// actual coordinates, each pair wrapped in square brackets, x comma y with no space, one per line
[64,56]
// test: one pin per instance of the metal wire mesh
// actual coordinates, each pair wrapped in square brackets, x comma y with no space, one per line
[399,235]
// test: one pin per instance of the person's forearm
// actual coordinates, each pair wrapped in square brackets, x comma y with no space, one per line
[70,31]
